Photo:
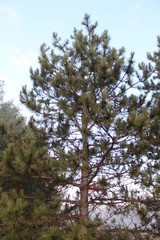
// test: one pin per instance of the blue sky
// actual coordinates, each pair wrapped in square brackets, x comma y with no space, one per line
[25,25]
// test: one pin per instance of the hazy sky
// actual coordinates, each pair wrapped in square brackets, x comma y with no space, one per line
[26,24]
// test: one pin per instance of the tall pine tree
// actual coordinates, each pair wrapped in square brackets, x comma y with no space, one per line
[84,97]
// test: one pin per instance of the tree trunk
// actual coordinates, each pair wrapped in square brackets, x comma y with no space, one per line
[84,206]
[84,180]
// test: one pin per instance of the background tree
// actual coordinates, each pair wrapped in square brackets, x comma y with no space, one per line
[29,199]
[1,90]
[149,179]
[12,120]
[84,97]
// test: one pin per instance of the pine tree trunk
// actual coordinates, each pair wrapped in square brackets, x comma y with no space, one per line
[84,205]
[84,180]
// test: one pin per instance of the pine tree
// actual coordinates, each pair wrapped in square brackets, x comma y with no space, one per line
[1,90]
[150,173]
[84,97]
[29,199]
[11,123]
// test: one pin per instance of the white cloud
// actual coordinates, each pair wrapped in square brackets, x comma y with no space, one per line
[9,15]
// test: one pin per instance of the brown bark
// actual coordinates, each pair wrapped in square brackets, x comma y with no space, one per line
[84,179]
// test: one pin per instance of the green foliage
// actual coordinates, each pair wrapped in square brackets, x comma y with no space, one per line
[74,233]
[53,234]
[78,234]
[13,207]
[40,213]
[12,124]
[29,201]
[24,165]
